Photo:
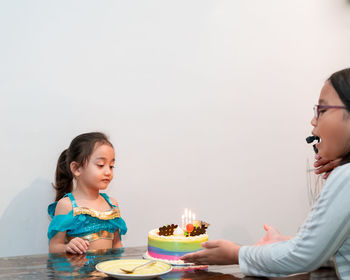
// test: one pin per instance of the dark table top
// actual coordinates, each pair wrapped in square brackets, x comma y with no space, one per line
[65,266]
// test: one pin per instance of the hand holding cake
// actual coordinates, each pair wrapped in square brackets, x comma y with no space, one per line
[215,252]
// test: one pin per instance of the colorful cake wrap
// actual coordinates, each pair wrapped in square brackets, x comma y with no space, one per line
[171,242]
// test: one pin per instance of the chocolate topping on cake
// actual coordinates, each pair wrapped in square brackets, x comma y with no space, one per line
[167,230]
[200,228]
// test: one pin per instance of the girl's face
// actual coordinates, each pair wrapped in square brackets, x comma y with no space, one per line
[97,173]
[332,125]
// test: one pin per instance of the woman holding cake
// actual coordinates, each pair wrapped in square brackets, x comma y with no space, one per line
[326,232]
[83,218]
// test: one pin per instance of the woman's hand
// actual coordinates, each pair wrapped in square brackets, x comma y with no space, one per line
[77,246]
[272,236]
[215,252]
[325,166]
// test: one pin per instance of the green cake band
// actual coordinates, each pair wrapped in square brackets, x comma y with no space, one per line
[177,245]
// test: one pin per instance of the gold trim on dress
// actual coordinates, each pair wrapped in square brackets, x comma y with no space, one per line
[106,215]
[102,234]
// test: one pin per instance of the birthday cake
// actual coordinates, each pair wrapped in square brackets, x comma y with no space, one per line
[171,242]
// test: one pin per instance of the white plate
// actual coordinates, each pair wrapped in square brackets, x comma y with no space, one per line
[111,268]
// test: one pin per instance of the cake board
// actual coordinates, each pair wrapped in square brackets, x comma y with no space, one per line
[180,264]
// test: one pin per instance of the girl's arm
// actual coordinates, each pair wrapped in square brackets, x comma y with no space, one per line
[75,246]
[58,242]
[117,243]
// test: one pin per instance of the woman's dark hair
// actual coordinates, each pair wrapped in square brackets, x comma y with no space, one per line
[80,150]
[341,83]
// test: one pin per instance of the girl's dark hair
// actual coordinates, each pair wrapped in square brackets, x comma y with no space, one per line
[80,150]
[341,83]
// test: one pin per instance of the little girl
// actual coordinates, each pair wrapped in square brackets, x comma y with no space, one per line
[82,217]
[326,232]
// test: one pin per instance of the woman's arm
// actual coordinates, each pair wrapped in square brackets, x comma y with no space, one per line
[324,231]
[320,237]
[215,252]
[226,252]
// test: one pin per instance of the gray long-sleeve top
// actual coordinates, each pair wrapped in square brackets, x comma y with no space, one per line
[324,234]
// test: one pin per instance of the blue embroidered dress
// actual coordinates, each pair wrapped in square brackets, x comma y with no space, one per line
[86,223]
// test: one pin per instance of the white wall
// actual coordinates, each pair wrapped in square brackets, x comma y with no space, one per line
[207,103]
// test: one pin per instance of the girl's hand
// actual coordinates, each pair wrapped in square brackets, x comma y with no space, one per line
[272,236]
[77,260]
[77,246]
[215,252]
[325,166]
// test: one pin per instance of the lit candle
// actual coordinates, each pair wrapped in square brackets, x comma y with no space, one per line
[193,217]
[186,216]
[189,217]
[182,221]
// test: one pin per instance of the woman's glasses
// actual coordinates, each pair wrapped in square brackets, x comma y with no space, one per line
[318,109]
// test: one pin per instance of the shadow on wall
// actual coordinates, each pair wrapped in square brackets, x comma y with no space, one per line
[25,221]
